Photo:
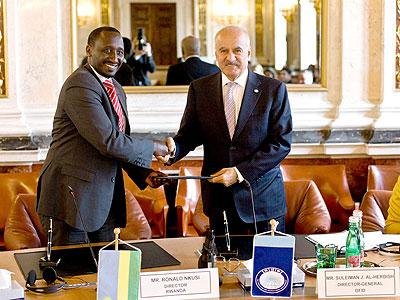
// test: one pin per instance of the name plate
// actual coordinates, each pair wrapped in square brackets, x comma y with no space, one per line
[179,284]
[358,282]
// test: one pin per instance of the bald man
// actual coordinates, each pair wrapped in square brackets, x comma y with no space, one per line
[193,67]
[244,123]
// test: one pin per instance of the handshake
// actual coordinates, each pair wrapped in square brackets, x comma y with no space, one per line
[163,151]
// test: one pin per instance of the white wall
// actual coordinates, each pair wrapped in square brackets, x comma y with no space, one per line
[360,68]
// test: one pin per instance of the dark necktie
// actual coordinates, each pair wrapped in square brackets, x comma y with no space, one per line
[112,93]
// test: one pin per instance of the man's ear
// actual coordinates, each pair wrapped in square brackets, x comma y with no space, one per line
[88,50]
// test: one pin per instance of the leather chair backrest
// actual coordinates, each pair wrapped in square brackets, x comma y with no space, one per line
[154,205]
[374,206]
[382,177]
[188,192]
[137,226]
[306,210]
[12,184]
[23,228]
[332,182]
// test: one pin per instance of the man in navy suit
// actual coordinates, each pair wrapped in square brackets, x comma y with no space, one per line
[247,154]
[193,67]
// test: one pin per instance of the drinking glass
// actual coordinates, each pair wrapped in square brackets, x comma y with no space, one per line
[326,255]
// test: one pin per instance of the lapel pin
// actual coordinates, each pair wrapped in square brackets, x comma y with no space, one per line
[256,91]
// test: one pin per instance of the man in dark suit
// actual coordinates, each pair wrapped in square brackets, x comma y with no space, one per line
[244,123]
[141,62]
[192,67]
[82,174]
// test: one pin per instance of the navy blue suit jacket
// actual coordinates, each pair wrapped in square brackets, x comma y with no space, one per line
[185,72]
[261,140]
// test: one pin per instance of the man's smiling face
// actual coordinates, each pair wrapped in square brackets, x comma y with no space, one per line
[106,54]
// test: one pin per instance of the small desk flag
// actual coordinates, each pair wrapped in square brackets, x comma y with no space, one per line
[119,272]
[272,265]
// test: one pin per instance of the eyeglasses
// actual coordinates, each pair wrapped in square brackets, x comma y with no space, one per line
[227,267]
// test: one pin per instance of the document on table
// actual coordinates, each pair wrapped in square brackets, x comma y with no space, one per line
[372,239]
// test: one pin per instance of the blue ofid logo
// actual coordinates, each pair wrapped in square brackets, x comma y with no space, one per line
[271,280]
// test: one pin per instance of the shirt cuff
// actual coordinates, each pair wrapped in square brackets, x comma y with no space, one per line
[240,176]
[172,155]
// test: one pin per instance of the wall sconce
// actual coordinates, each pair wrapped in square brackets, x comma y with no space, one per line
[288,9]
[227,12]
[85,12]
[317,6]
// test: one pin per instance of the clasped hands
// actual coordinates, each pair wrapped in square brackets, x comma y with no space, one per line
[162,151]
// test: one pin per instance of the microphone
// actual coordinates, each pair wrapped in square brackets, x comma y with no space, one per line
[208,252]
[247,184]
[72,193]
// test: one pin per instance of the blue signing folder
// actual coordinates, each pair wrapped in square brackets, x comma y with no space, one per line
[272,265]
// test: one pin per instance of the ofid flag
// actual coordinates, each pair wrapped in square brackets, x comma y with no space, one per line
[272,265]
[118,275]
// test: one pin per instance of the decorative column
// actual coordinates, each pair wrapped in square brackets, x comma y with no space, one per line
[291,12]
[386,137]
[357,93]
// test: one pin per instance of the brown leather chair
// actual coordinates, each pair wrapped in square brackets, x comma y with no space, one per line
[24,230]
[374,206]
[382,177]
[12,184]
[332,182]
[306,210]
[154,205]
[187,195]
[199,219]
[137,226]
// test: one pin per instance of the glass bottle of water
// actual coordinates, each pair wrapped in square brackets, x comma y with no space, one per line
[358,214]
[353,248]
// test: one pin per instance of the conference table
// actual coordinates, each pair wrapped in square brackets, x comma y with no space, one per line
[183,249]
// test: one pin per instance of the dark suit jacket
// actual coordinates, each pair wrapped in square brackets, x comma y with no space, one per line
[140,68]
[185,72]
[261,141]
[124,75]
[87,152]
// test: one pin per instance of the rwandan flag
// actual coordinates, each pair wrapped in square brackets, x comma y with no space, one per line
[119,275]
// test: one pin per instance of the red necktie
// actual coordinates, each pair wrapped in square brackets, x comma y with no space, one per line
[112,93]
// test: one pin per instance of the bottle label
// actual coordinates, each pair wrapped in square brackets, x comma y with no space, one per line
[353,261]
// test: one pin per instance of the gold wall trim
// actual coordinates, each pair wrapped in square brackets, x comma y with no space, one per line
[259,16]
[324,43]
[306,88]
[105,12]
[202,6]
[155,89]
[397,79]
[3,51]
[162,89]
